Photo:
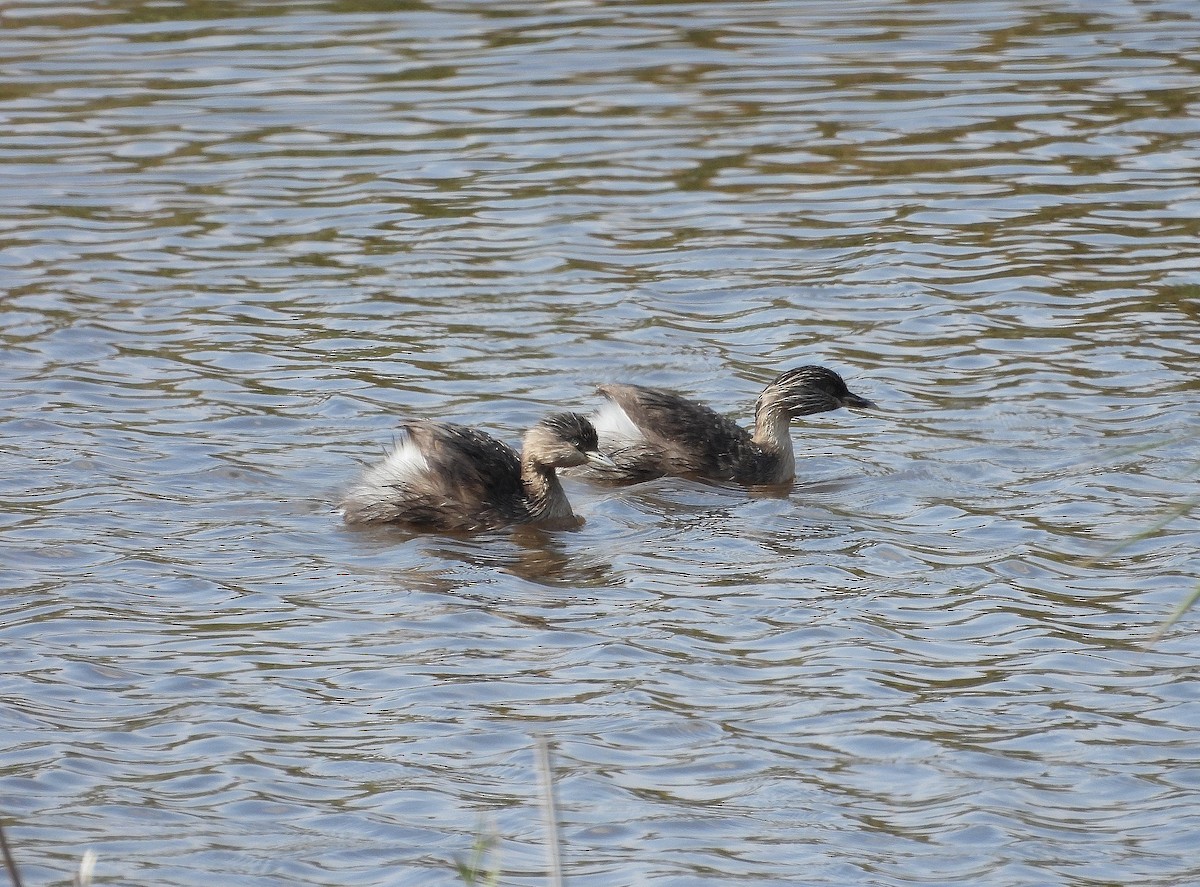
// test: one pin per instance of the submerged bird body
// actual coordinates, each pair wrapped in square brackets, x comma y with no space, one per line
[449,477]
[650,432]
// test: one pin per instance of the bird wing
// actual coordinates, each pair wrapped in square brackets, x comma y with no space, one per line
[679,436]
[467,466]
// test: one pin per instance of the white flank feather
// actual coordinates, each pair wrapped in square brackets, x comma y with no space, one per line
[403,465]
[379,483]
[615,429]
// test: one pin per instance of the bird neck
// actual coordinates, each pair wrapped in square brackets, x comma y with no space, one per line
[545,495]
[772,434]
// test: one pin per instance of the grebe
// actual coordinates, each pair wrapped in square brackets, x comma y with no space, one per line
[441,476]
[650,432]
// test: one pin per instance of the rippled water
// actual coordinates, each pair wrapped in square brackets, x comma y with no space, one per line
[241,242]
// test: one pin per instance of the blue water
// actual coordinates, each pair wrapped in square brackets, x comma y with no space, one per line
[240,245]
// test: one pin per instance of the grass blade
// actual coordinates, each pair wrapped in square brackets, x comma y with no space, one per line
[9,862]
[549,811]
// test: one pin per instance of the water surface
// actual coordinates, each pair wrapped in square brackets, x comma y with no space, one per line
[242,243]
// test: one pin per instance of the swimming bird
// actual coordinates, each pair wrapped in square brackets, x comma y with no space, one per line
[651,432]
[441,476]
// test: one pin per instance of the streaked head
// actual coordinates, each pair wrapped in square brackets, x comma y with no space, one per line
[806,390]
[563,440]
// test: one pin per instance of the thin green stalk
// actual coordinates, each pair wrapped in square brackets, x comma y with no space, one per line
[1171,515]
[1176,615]
[87,867]
[473,873]
[9,862]
[549,812]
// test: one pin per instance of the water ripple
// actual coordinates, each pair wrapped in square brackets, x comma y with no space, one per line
[241,246]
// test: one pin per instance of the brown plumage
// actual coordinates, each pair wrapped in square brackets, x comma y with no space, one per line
[650,432]
[442,476]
